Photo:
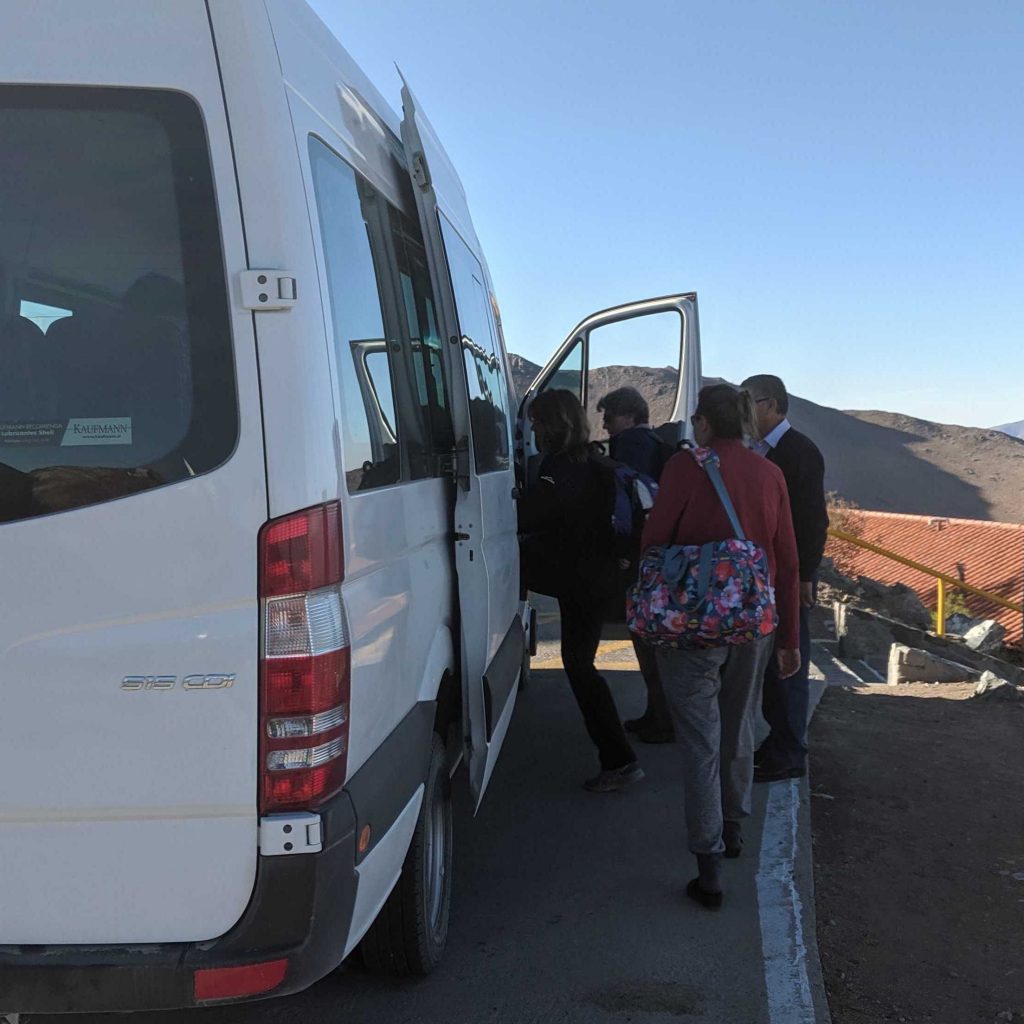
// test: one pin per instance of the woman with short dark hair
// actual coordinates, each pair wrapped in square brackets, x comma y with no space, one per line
[565,521]
[714,693]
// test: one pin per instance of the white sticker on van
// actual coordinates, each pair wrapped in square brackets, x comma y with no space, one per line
[117,430]
[15,434]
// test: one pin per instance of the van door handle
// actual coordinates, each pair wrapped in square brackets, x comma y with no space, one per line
[460,536]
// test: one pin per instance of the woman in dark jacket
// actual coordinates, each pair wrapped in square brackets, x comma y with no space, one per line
[565,520]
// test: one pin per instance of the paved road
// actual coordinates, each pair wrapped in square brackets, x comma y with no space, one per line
[569,906]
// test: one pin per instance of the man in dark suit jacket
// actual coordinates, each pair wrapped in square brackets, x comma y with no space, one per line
[632,442]
[783,755]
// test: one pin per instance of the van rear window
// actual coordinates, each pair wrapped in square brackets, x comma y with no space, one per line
[116,367]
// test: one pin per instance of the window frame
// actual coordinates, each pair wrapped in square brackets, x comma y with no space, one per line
[497,347]
[213,427]
[409,413]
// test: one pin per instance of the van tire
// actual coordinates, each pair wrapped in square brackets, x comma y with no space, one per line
[411,931]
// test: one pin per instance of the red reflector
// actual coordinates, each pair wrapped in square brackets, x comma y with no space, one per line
[235,982]
[305,686]
[303,787]
[301,552]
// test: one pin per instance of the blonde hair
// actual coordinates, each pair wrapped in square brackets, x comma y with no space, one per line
[730,412]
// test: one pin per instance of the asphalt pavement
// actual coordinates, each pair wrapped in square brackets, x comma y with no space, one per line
[569,905]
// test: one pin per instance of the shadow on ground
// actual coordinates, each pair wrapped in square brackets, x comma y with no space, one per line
[569,906]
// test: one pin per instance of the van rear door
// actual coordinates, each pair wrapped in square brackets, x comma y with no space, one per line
[648,333]
[484,526]
[132,485]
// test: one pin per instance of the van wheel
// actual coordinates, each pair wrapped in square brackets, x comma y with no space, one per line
[411,929]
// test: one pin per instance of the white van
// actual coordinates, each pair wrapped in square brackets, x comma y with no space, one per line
[260,586]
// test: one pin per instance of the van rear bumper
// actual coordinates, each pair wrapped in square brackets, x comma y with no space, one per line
[301,910]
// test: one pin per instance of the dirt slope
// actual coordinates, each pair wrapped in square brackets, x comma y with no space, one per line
[879,460]
[918,868]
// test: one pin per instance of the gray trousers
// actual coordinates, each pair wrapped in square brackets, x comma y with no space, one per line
[714,696]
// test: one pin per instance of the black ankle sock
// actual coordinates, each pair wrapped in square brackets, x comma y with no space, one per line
[709,869]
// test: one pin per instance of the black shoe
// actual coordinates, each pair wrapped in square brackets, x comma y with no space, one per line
[614,779]
[708,900]
[774,773]
[732,836]
[649,732]
[636,724]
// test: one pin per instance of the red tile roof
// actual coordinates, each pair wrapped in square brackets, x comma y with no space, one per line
[983,554]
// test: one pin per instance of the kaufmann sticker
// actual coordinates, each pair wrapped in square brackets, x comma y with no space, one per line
[98,431]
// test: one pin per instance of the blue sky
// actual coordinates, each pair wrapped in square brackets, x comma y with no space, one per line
[841,183]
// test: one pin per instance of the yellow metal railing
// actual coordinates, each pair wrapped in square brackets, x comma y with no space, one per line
[942,580]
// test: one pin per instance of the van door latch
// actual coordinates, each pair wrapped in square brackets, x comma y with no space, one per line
[455,464]
[268,289]
[282,834]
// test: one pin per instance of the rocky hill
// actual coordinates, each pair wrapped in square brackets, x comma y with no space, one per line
[877,460]
[1013,429]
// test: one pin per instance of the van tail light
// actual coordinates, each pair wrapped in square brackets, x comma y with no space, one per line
[304,661]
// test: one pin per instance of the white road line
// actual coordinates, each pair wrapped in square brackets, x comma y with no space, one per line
[782,932]
[874,672]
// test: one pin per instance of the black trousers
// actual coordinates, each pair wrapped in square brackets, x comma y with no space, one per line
[582,616]
[784,704]
[657,711]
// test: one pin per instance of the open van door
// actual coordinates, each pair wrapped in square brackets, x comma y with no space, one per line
[486,545]
[643,333]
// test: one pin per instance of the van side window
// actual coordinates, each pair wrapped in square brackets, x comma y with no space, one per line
[346,206]
[424,337]
[485,371]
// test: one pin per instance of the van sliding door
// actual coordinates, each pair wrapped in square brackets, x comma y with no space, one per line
[486,545]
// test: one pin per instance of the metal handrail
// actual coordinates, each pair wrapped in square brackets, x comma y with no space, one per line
[942,580]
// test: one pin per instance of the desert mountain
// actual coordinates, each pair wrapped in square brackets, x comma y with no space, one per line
[878,460]
[1013,429]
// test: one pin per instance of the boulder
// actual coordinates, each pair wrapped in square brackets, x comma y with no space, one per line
[861,634]
[905,606]
[829,575]
[897,602]
[986,637]
[960,624]
[994,688]
[913,665]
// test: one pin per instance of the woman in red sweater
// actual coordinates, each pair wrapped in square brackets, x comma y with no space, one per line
[714,693]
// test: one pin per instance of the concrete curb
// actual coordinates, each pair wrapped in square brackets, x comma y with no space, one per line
[805,880]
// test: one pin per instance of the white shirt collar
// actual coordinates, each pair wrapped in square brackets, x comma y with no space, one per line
[773,437]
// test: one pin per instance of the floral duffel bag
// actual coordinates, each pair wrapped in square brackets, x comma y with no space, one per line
[710,595]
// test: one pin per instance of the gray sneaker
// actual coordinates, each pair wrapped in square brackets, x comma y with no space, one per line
[615,778]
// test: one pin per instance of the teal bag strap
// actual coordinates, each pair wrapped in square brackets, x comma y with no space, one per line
[710,465]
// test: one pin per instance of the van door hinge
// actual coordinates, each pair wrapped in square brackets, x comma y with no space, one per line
[268,289]
[420,171]
[283,834]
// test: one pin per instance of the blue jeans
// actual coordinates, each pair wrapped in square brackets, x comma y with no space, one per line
[784,705]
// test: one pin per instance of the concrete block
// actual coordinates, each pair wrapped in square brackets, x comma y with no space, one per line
[913,665]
